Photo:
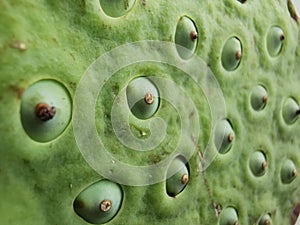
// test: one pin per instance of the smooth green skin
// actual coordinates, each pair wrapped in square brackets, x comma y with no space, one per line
[40,181]
[116,8]
[87,202]
[174,183]
[229,55]
[53,94]
[228,216]
[136,92]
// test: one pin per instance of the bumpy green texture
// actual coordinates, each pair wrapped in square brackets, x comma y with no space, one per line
[58,40]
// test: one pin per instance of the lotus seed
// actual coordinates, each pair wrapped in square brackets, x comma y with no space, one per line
[275,40]
[265,220]
[229,216]
[288,172]
[232,54]
[116,8]
[258,163]
[259,98]
[224,136]
[290,111]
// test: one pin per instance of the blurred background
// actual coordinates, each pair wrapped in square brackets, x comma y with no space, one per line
[297,4]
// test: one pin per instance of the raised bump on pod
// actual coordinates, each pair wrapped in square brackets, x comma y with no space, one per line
[290,111]
[288,171]
[186,36]
[177,182]
[229,216]
[142,97]
[259,98]
[46,110]
[275,39]
[116,8]
[224,136]
[265,220]
[258,163]
[99,202]
[232,54]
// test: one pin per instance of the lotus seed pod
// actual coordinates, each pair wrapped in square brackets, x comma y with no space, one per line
[275,39]
[116,8]
[259,98]
[290,111]
[232,54]
[258,163]
[46,110]
[177,182]
[142,97]
[99,202]
[229,216]
[265,220]
[224,136]
[186,37]
[288,171]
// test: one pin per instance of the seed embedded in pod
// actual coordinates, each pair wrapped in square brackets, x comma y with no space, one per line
[224,136]
[290,111]
[116,8]
[275,39]
[176,183]
[265,220]
[186,36]
[232,54]
[258,163]
[288,171]
[46,110]
[229,216]
[142,97]
[99,202]
[259,98]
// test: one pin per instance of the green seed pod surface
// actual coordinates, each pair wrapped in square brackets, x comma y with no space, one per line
[100,202]
[288,171]
[259,98]
[275,38]
[265,220]
[290,111]
[46,110]
[229,216]
[142,97]
[224,136]
[175,183]
[232,54]
[186,37]
[116,8]
[258,163]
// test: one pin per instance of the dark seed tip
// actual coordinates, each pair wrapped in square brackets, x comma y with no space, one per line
[265,99]
[238,55]
[185,179]
[105,205]
[230,137]
[194,35]
[149,98]
[264,166]
[45,112]
[282,37]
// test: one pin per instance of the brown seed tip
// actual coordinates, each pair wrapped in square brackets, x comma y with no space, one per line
[45,112]
[264,165]
[194,35]
[236,223]
[231,137]
[185,179]
[149,99]
[105,205]
[295,173]
[265,99]
[238,55]
[267,222]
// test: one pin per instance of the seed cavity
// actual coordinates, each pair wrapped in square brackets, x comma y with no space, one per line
[275,40]
[142,97]
[229,216]
[99,202]
[116,8]
[288,171]
[290,111]
[259,98]
[232,54]
[177,176]
[224,136]
[186,36]
[258,163]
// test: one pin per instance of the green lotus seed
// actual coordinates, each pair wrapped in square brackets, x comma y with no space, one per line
[265,220]
[186,37]
[275,38]
[224,136]
[290,111]
[258,163]
[288,172]
[99,202]
[46,110]
[229,216]
[177,182]
[142,97]
[116,8]
[232,54]
[259,98]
